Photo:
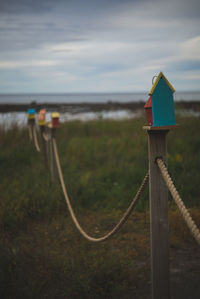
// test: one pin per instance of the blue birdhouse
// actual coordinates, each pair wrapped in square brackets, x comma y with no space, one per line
[162,103]
[31,113]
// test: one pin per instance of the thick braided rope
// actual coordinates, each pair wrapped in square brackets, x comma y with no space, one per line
[120,223]
[35,140]
[191,224]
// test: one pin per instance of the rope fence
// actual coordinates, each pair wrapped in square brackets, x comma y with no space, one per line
[159,184]
[179,202]
[184,212]
[160,116]
[124,218]
[78,226]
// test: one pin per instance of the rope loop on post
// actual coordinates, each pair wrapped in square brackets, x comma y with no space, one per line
[184,212]
[120,223]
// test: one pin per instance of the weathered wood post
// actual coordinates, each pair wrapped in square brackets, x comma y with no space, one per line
[44,147]
[158,195]
[31,123]
[53,126]
[160,117]
[53,168]
[42,125]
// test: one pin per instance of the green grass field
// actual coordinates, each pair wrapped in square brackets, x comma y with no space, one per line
[41,253]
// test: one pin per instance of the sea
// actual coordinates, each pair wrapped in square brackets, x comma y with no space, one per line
[90,97]
[7,119]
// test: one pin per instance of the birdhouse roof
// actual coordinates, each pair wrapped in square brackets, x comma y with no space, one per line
[55,115]
[31,111]
[43,111]
[156,82]
[148,103]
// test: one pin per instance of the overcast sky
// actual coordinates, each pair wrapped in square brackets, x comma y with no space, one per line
[98,45]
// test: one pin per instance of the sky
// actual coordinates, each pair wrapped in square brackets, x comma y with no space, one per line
[64,46]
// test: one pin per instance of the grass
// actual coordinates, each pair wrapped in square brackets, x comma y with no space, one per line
[103,162]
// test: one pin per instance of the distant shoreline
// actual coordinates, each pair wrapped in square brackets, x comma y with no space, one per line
[73,107]
[90,107]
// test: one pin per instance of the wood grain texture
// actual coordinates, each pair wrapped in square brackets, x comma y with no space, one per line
[44,148]
[162,128]
[53,167]
[159,230]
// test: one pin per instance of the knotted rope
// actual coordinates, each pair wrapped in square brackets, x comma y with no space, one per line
[120,223]
[191,224]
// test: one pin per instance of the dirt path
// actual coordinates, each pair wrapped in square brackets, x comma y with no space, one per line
[185,272]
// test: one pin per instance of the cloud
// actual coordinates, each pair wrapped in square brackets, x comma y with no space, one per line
[24,6]
[191,48]
[25,64]
[97,45]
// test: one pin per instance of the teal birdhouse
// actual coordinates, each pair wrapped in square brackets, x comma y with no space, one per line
[162,103]
[31,113]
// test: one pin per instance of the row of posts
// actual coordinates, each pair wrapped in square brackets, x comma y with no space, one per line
[47,132]
[158,195]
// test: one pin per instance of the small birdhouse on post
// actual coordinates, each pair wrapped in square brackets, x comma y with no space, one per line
[55,119]
[42,117]
[160,105]
[31,113]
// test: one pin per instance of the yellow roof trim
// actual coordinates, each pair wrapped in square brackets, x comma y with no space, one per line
[55,115]
[160,75]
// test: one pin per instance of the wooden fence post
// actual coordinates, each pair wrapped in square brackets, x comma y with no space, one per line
[158,194]
[53,167]
[31,122]
[53,126]
[160,117]
[44,147]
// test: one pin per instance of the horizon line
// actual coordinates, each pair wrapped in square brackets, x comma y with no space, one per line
[88,92]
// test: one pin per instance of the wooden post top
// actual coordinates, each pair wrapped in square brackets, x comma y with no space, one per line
[161,128]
